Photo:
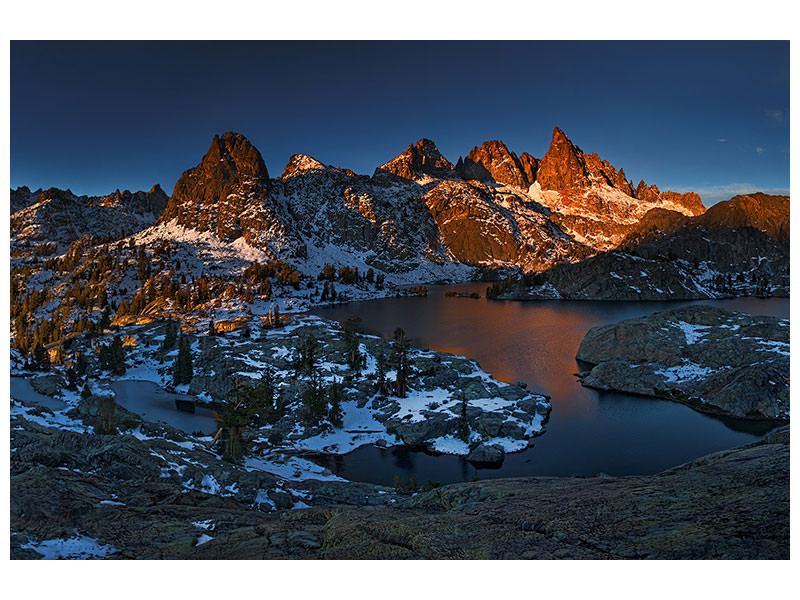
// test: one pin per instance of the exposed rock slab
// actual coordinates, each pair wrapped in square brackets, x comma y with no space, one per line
[138,499]
[713,360]
[732,504]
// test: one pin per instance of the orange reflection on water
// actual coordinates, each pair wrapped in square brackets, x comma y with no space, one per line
[514,343]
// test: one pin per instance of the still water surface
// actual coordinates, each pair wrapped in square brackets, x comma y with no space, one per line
[156,404]
[589,432]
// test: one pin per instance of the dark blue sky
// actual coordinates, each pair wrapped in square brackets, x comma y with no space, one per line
[96,116]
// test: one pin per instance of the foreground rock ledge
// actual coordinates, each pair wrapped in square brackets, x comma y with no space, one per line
[715,361]
[731,504]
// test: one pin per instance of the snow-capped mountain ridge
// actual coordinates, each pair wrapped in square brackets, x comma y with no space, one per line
[60,217]
[493,209]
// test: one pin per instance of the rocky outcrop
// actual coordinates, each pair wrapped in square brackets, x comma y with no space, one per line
[155,494]
[687,203]
[766,213]
[228,193]
[486,454]
[714,361]
[563,167]
[493,161]
[482,229]
[299,164]
[566,168]
[736,501]
[440,377]
[23,197]
[422,158]
[613,276]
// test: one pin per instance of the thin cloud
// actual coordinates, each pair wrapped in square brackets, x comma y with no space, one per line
[716,193]
[759,150]
[774,114]
[722,140]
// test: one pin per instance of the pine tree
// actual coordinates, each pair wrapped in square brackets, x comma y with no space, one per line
[117,357]
[182,370]
[314,400]
[41,359]
[380,386]
[81,364]
[401,361]
[261,401]
[462,427]
[352,345]
[106,416]
[105,320]
[335,410]
[232,417]
[170,336]
[276,316]
[306,360]
[72,379]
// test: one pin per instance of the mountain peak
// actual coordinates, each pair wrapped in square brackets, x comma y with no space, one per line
[563,166]
[208,196]
[238,155]
[493,160]
[299,164]
[422,158]
[559,135]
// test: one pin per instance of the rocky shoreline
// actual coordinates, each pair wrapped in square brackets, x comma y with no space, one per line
[154,493]
[713,360]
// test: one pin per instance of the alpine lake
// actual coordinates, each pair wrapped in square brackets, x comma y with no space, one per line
[589,432]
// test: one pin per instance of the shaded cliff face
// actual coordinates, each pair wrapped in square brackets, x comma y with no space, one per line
[483,228]
[23,197]
[214,194]
[370,222]
[530,167]
[228,194]
[759,212]
[764,212]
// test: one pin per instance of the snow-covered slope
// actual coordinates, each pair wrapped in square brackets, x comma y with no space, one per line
[60,217]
